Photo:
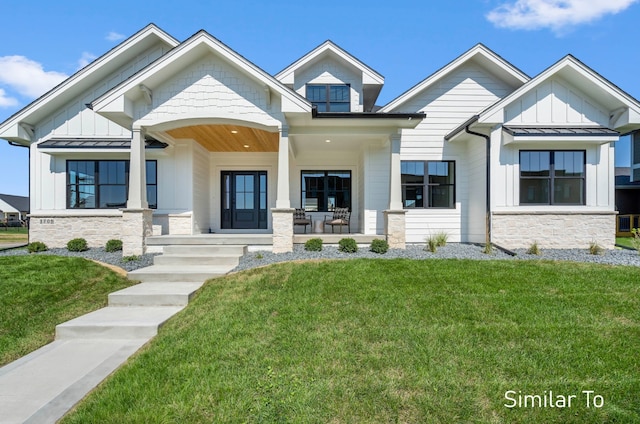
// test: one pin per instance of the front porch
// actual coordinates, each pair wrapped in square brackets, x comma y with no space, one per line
[254,242]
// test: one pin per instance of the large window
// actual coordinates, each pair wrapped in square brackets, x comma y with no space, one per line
[329,98]
[554,177]
[104,184]
[326,190]
[428,184]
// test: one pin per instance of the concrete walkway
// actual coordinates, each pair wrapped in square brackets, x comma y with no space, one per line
[44,385]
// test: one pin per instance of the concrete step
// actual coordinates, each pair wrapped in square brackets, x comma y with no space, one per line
[211,239]
[188,260]
[117,323]
[173,274]
[205,250]
[155,294]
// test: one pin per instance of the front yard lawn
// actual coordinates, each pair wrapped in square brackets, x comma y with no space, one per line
[39,292]
[14,235]
[376,341]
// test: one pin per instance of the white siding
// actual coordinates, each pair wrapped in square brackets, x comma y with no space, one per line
[210,88]
[555,102]
[76,120]
[447,103]
[330,71]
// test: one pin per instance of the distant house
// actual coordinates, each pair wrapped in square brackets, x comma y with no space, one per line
[13,209]
[186,138]
[627,201]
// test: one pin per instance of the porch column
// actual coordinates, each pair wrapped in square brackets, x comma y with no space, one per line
[136,217]
[282,214]
[394,217]
[137,172]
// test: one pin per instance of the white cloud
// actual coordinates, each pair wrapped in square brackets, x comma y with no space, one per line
[27,77]
[114,36]
[6,101]
[558,15]
[86,59]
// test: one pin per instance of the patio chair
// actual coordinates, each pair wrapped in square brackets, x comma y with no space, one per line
[341,217]
[301,218]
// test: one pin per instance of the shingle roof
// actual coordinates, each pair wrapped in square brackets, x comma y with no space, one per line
[21,203]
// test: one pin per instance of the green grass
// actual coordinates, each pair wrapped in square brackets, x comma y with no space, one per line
[39,292]
[625,241]
[376,341]
[14,235]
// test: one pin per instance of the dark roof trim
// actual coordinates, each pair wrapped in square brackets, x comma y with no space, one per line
[83,143]
[365,115]
[461,127]
[560,131]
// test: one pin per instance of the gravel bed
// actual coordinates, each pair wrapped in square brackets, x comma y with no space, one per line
[97,254]
[450,251]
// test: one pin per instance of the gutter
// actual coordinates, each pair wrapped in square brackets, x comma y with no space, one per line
[487,138]
[366,115]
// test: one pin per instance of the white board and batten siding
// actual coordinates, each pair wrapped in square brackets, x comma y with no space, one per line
[376,166]
[447,103]
[553,103]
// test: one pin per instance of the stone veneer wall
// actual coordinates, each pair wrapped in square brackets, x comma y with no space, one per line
[395,228]
[282,230]
[553,230]
[178,224]
[57,230]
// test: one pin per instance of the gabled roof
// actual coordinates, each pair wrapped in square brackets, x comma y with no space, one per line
[20,203]
[114,102]
[626,118]
[370,76]
[480,54]
[13,129]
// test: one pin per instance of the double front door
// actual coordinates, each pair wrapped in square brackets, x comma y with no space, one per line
[244,199]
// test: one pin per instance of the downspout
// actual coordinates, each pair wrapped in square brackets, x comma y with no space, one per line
[488,177]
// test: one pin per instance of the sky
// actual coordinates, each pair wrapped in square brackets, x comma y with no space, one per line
[43,42]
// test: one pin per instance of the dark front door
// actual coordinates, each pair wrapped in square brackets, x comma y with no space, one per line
[244,199]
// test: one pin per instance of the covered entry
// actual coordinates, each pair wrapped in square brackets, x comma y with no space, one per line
[244,199]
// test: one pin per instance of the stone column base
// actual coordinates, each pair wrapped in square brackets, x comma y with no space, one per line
[395,228]
[137,225]
[282,229]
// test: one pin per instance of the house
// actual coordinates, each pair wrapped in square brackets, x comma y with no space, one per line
[627,202]
[168,137]
[13,209]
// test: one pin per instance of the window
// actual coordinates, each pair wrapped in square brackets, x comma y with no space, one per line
[329,98]
[324,191]
[104,184]
[428,184]
[553,177]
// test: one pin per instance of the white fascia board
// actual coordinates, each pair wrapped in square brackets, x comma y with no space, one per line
[94,67]
[188,48]
[16,134]
[370,76]
[479,49]
[496,110]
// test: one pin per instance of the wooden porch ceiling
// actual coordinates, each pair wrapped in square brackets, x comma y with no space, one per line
[229,138]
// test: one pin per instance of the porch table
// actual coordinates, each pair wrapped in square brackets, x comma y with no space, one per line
[318,226]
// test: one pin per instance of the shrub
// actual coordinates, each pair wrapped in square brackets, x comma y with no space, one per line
[113,245]
[534,249]
[432,244]
[130,258]
[313,245]
[77,245]
[635,240]
[379,246]
[37,246]
[488,249]
[595,248]
[441,239]
[348,245]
